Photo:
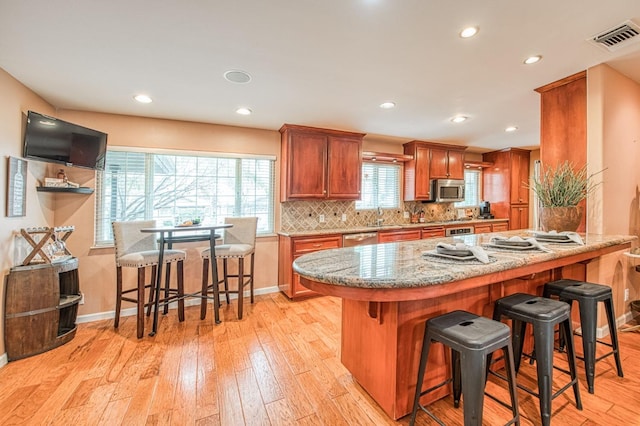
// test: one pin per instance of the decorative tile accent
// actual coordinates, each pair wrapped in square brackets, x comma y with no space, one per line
[305,215]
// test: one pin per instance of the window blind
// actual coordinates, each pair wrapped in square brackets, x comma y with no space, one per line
[380,186]
[471,189]
[174,187]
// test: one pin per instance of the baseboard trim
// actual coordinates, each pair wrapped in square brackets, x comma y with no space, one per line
[189,302]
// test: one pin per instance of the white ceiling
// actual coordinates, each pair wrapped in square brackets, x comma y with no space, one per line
[325,63]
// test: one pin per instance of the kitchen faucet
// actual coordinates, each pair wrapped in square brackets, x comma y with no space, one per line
[379,220]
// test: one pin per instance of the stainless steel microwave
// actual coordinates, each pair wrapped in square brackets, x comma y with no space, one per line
[447,190]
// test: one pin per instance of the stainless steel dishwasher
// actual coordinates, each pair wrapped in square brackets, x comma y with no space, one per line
[351,240]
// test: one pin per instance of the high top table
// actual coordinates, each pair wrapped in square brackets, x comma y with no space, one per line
[166,236]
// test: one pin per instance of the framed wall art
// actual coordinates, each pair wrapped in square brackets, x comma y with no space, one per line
[16,187]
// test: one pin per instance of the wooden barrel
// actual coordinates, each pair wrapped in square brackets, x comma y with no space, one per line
[32,308]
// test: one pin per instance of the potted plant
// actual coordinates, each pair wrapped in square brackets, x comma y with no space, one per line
[559,192]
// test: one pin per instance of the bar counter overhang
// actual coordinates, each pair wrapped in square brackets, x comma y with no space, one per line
[389,290]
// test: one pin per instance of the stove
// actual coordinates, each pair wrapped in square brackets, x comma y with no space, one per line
[460,230]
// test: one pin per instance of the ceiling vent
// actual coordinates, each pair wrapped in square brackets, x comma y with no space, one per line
[618,37]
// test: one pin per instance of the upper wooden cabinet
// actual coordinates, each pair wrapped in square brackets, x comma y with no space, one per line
[446,164]
[430,161]
[504,185]
[320,164]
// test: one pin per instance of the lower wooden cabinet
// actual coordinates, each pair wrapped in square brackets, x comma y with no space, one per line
[483,228]
[401,235]
[290,248]
[499,226]
[433,232]
[519,218]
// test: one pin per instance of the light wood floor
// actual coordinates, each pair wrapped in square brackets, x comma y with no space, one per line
[278,366]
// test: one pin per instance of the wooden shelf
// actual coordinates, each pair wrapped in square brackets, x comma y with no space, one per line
[386,157]
[81,190]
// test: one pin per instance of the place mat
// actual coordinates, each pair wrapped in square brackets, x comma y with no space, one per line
[433,256]
[461,251]
[555,237]
[515,244]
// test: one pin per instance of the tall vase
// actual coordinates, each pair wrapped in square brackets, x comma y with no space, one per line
[560,218]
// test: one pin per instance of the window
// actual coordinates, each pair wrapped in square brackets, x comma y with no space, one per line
[380,186]
[471,189]
[173,187]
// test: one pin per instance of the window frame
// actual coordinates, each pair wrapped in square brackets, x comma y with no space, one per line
[102,234]
[398,185]
[463,204]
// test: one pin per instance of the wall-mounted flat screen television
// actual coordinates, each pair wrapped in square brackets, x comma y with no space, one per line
[57,141]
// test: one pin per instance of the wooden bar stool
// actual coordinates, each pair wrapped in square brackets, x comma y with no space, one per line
[588,295]
[471,339]
[238,242]
[137,250]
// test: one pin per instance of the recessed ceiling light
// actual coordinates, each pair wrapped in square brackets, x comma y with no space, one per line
[143,99]
[469,32]
[243,111]
[459,119]
[237,76]
[511,129]
[532,59]
[387,105]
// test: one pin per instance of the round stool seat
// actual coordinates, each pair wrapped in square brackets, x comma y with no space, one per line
[526,307]
[572,289]
[461,329]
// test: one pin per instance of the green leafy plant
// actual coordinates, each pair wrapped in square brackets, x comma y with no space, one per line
[563,186]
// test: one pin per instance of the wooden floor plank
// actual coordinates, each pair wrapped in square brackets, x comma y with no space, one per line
[279,365]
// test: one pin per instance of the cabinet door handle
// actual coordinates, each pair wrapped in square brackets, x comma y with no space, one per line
[317,245]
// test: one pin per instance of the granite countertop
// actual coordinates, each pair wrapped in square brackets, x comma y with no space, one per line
[402,264]
[389,227]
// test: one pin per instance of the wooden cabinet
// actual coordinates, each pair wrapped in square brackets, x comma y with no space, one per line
[504,185]
[519,177]
[433,232]
[483,228]
[430,161]
[519,216]
[290,248]
[563,125]
[499,226]
[320,164]
[399,235]
[446,164]
[41,306]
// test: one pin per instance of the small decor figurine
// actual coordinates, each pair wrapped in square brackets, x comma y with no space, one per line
[62,175]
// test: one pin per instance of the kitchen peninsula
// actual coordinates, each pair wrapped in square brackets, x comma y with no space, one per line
[388,291]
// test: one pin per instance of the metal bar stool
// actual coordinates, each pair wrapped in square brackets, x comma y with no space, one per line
[543,314]
[588,295]
[471,339]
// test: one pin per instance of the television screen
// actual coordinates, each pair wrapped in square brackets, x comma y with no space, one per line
[57,141]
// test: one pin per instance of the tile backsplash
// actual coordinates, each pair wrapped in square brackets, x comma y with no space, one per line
[305,215]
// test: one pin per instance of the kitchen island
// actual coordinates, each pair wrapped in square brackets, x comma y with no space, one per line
[389,290]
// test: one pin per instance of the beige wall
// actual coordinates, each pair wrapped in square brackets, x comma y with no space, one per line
[16,101]
[613,144]
[97,271]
